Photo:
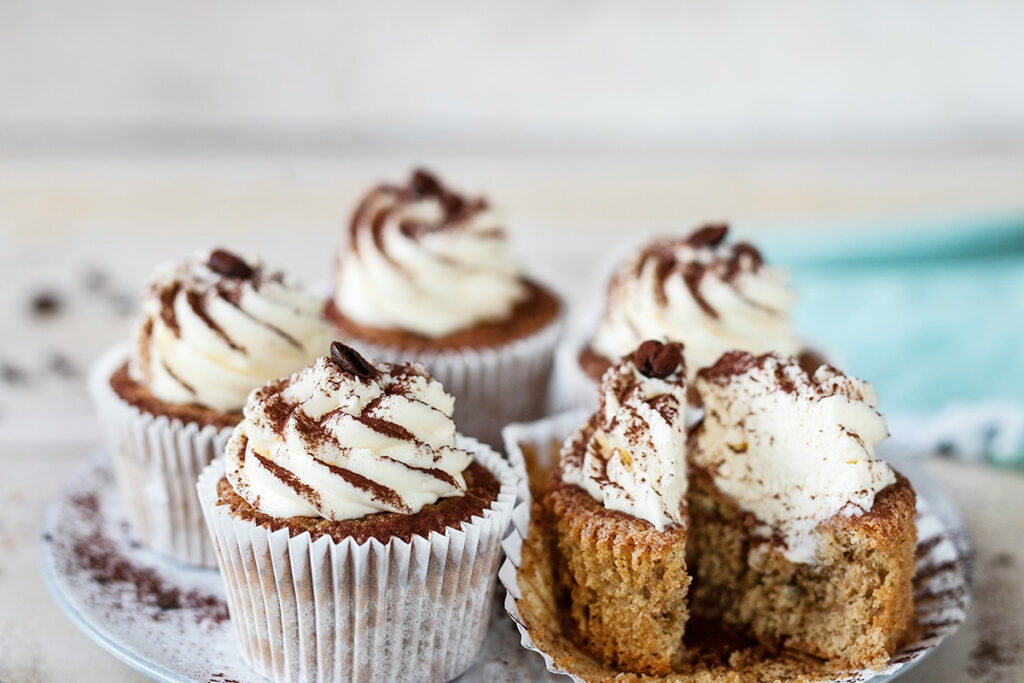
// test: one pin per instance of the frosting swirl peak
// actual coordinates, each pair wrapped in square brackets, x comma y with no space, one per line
[424,259]
[631,455]
[216,326]
[345,438]
[792,449]
[701,291]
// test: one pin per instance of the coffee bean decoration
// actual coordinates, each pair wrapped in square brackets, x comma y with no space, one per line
[655,359]
[348,360]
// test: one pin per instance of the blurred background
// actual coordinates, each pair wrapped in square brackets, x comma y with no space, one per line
[875,148]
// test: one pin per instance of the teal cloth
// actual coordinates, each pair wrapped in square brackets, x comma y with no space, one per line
[930,312]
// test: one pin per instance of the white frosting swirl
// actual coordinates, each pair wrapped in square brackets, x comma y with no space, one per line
[210,339]
[425,260]
[631,455]
[710,296]
[791,449]
[329,443]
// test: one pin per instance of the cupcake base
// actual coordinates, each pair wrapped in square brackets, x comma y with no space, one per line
[157,459]
[496,379]
[316,610]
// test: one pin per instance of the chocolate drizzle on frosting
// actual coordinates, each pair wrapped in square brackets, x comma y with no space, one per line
[347,437]
[215,327]
[424,259]
[387,201]
[701,290]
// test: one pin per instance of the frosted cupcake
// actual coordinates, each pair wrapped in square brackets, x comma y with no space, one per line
[709,294]
[425,274]
[213,328]
[357,534]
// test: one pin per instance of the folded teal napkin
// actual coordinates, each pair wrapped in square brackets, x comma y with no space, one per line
[932,314]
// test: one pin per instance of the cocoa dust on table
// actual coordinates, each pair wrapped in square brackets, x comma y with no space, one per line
[102,560]
[998,649]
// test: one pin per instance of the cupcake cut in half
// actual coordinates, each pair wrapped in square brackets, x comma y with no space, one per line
[712,295]
[213,328]
[425,273]
[773,525]
[617,504]
[357,534]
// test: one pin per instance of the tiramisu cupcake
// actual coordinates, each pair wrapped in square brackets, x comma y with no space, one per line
[617,506]
[709,294]
[213,328]
[358,536]
[425,274]
[799,535]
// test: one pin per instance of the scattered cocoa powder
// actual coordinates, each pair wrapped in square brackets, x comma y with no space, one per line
[100,557]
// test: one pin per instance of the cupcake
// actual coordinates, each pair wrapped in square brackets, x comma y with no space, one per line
[768,539]
[800,535]
[617,504]
[213,328]
[709,294]
[425,274]
[357,534]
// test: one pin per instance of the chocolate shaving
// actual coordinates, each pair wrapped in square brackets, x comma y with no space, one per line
[348,360]
[227,264]
[655,359]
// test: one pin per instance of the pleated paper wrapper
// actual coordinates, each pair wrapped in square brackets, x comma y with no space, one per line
[305,610]
[941,588]
[492,386]
[157,461]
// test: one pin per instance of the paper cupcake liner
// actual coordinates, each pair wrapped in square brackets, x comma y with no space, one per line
[941,588]
[572,388]
[158,461]
[306,610]
[492,386]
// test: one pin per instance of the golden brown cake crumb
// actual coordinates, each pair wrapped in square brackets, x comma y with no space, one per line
[622,581]
[853,607]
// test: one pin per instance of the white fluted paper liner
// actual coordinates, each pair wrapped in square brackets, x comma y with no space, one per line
[320,610]
[941,589]
[492,386]
[158,461]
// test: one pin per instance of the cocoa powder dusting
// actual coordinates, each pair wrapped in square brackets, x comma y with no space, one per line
[998,651]
[97,555]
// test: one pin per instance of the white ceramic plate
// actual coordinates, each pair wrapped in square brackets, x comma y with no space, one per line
[169,621]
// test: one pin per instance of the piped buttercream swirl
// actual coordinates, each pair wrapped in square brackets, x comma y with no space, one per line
[424,259]
[710,295]
[216,326]
[345,438]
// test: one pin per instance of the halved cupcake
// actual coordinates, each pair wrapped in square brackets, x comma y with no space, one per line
[358,536]
[213,328]
[425,274]
[617,507]
[800,535]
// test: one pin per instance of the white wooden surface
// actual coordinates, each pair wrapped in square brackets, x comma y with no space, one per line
[736,74]
[61,218]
